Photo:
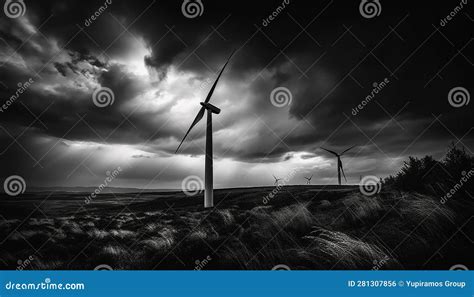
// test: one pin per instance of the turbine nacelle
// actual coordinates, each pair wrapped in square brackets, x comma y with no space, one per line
[210,107]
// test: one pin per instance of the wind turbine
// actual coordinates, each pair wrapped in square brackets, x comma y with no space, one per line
[208,175]
[339,162]
[276,180]
[308,182]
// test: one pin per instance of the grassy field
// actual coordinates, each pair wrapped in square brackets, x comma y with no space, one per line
[303,227]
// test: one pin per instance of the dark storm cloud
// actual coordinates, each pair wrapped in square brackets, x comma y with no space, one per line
[329,67]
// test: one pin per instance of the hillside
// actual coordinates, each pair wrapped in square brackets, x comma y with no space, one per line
[302,227]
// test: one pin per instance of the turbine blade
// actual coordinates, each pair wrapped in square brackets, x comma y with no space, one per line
[342,169]
[217,79]
[329,151]
[196,120]
[348,150]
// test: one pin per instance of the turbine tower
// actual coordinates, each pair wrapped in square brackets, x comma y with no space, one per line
[339,162]
[308,179]
[208,175]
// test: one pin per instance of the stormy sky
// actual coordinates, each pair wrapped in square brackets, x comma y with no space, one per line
[159,60]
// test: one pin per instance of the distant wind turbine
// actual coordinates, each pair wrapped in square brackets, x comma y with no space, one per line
[308,179]
[276,180]
[208,175]
[339,162]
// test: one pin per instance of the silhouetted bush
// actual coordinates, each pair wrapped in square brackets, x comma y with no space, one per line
[427,175]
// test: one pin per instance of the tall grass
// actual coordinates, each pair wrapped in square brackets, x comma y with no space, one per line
[346,231]
[360,209]
[340,251]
